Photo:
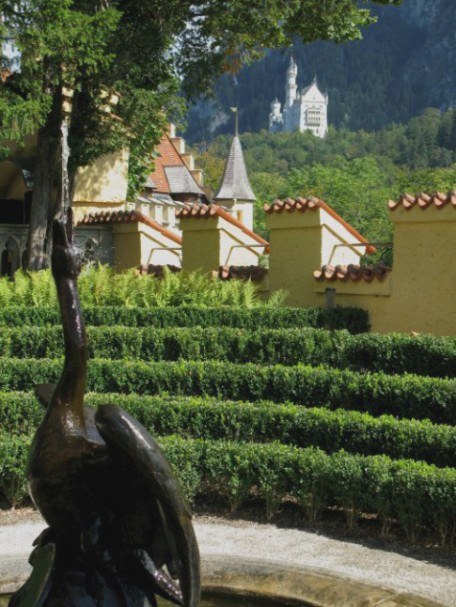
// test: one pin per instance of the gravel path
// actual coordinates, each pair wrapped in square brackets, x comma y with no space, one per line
[297,547]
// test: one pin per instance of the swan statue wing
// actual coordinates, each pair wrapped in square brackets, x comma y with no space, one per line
[131,444]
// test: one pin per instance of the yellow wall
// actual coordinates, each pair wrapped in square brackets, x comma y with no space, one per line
[209,243]
[157,249]
[200,243]
[418,295]
[12,184]
[236,247]
[295,240]
[424,271]
[377,305]
[103,181]
[127,245]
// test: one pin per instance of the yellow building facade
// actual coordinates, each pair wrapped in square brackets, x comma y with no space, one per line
[416,295]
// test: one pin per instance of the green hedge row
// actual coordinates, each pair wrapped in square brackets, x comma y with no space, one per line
[424,355]
[375,393]
[416,495]
[262,421]
[354,320]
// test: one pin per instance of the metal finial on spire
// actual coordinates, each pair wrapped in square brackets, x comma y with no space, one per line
[236,120]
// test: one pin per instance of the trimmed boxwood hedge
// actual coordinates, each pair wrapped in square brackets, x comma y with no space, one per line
[416,495]
[376,393]
[261,421]
[354,320]
[394,353]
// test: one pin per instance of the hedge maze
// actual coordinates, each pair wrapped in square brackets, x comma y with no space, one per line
[275,403]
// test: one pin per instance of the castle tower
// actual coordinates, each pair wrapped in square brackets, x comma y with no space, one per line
[291,86]
[235,191]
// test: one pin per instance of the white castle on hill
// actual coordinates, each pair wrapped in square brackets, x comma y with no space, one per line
[303,111]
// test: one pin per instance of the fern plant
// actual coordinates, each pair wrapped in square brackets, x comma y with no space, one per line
[101,285]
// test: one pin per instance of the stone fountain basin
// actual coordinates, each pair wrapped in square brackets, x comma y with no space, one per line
[233,576]
[289,566]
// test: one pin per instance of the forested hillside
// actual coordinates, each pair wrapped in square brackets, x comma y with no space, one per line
[355,172]
[404,64]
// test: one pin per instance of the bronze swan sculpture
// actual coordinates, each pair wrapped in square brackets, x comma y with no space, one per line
[120,530]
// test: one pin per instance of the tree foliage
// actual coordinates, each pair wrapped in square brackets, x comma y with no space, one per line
[142,51]
[355,172]
[122,62]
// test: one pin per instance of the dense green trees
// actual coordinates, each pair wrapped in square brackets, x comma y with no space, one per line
[138,50]
[355,172]
[402,65]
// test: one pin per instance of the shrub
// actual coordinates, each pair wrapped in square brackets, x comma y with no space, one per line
[352,319]
[403,489]
[13,459]
[426,355]
[376,393]
[261,421]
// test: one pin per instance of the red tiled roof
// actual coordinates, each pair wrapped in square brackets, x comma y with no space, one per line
[171,175]
[352,272]
[204,210]
[158,271]
[113,217]
[423,201]
[311,203]
[254,273]
[167,156]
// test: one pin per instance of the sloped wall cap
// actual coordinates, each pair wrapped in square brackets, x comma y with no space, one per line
[115,217]
[312,203]
[197,211]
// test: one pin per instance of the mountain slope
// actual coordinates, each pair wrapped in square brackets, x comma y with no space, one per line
[404,63]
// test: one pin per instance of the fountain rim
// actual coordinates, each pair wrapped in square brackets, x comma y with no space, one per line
[272,580]
[280,581]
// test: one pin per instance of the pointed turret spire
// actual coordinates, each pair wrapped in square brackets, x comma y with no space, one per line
[292,68]
[235,182]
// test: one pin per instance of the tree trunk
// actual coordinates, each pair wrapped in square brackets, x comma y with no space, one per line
[44,196]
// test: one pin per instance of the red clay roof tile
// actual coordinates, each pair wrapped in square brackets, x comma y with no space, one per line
[352,272]
[253,273]
[158,271]
[423,201]
[112,217]
[312,203]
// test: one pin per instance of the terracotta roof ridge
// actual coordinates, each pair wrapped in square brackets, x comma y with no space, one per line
[156,226]
[353,272]
[254,273]
[424,200]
